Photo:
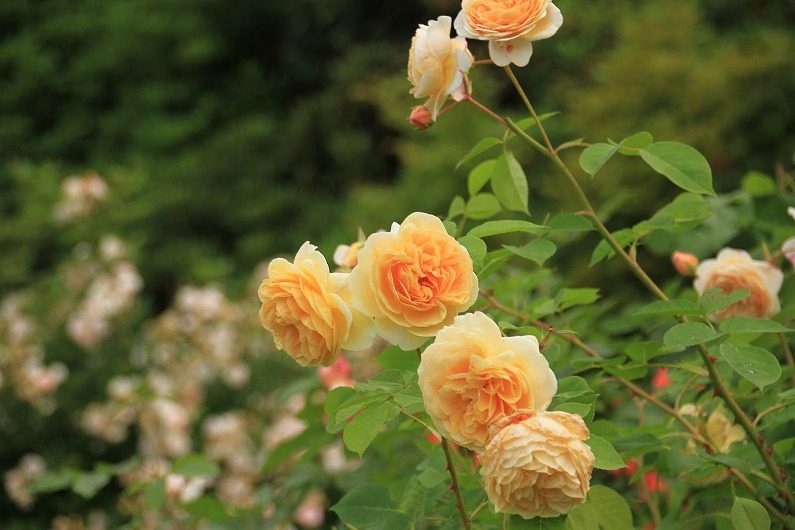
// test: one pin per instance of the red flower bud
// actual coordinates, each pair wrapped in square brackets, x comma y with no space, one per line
[684,263]
[420,117]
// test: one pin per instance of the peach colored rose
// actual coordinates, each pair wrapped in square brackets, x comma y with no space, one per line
[734,270]
[472,376]
[437,64]
[307,309]
[413,280]
[347,256]
[510,26]
[684,263]
[537,464]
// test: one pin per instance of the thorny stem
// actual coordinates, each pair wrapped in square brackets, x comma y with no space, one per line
[640,273]
[459,499]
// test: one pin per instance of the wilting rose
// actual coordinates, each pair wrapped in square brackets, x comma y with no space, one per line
[413,280]
[307,309]
[472,376]
[538,464]
[437,64]
[735,270]
[510,26]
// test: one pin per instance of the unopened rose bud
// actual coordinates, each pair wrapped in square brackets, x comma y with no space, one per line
[788,249]
[420,117]
[684,263]
[660,380]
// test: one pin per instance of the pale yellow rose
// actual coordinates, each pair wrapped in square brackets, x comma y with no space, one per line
[538,464]
[510,26]
[308,309]
[718,429]
[472,376]
[735,270]
[413,280]
[437,64]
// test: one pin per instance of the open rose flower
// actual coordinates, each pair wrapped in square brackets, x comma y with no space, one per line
[510,26]
[538,464]
[437,64]
[307,309]
[413,280]
[472,376]
[735,270]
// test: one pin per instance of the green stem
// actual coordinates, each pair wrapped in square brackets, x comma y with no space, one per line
[459,499]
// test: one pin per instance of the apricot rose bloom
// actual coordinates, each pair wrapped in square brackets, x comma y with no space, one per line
[510,26]
[472,376]
[413,280]
[538,464]
[437,64]
[308,309]
[735,270]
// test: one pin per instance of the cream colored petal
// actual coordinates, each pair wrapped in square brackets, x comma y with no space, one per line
[516,51]
[547,26]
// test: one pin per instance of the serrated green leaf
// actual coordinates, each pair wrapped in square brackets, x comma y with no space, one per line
[688,334]
[714,300]
[529,123]
[370,506]
[630,145]
[583,517]
[568,298]
[685,212]
[752,325]
[509,184]
[478,149]
[495,228]
[595,156]
[457,207]
[611,508]
[758,184]
[196,465]
[538,250]
[476,248]
[603,249]
[570,222]
[748,514]
[483,206]
[758,366]
[360,432]
[681,164]
[480,176]
[606,456]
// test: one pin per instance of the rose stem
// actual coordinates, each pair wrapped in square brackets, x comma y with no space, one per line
[459,499]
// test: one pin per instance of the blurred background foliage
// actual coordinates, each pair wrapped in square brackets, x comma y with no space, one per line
[231,132]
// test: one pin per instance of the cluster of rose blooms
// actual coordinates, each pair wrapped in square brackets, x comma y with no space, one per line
[110,285]
[22,356]
[485,392]
[438,64]
[80,195]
